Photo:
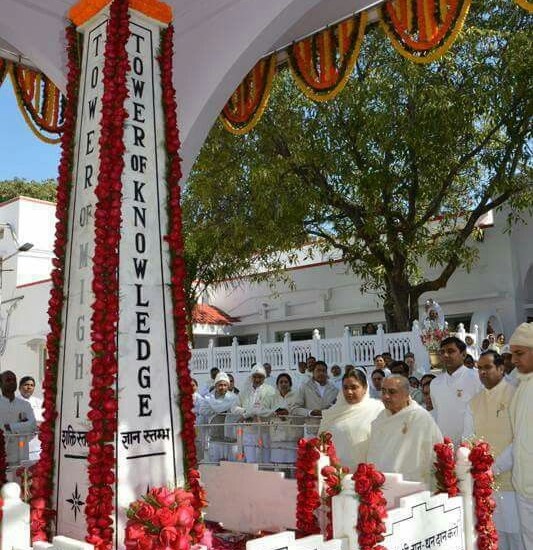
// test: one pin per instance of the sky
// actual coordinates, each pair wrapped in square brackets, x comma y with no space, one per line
[22,154]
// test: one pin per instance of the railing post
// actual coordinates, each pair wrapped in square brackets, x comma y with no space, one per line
[315,346]
[15,524]
[210,355]
[346,346]
[466,488]
[259,351]
[286,351]
[461,332]
[344,511]
[418,348]
[477,336]
[235,355]
[380,340]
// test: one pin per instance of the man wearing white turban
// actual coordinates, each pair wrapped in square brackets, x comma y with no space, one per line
[256,403]
[519,455]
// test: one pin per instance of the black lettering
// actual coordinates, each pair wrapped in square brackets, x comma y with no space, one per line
[138,136]
[138,88]
[140,267]
[80,328]
[144,404]
[92,108]
[138,112]
[143,349]
[88,176]
[142,322]
[85,214]
[90,147]
[84,255]
[96,42]
[140,243]
[144,379]
[82,290]
[138,39]
[77,396]
[138,163]
[138,67]
[138,186]
[79,366]
[139,216]
[139,301]
[94,80]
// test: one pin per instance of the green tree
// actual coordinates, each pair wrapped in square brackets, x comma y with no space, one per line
[395,172]
[44,190]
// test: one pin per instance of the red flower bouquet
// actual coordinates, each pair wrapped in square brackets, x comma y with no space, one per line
[447,481]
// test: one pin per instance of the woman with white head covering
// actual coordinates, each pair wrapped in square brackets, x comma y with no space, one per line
[349,419]
[256,403]
[213,409]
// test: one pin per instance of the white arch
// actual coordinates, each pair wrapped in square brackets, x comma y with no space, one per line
[216,44]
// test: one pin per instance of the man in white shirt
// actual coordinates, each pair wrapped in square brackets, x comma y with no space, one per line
[336,376]
[403,435]
[270,380]
[16,418]
[26,391]
[488,418]
[453,389]
[301,376]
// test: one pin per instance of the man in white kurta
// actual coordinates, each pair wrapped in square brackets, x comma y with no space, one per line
[16,418]
[520,455]
[402,437]
[256,404]
[26,391]
[452,390]
[488,418]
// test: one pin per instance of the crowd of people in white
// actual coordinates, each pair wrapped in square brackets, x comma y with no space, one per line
[391,416]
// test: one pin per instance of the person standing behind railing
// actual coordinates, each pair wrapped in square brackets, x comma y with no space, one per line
[256,403]
[26,389]
[16,418]
[284,433]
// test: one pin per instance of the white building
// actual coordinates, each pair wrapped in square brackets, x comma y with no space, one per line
[323,295]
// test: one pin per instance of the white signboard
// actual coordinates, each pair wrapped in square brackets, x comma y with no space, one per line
[148,449]
[424,522]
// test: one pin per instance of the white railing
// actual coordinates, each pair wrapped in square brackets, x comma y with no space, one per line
[285,355]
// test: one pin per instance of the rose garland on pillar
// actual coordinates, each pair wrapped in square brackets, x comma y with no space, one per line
[103,402]
[177,267]
[42,482]
[3,459]
[482,460]
[372,509]
[333,476]
[447,481]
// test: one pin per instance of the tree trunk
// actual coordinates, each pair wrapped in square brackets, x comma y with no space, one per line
[396,306]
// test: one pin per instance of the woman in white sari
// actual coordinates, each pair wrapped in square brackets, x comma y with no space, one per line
[349,419]
[284,434]
[213,408]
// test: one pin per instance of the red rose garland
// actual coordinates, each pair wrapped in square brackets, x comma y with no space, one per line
[481,461]
[372,507]
[308,499]
[161,519]
[333,476]
[445,463]
[177,266]
[3,459]
[103,402]
[43,472]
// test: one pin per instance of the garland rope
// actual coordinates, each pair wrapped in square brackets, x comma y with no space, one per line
[322,64]
[247,104]
[423,30]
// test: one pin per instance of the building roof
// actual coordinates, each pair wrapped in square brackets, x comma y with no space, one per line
[205,314]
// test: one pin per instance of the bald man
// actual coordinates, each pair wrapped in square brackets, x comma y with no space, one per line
[403,435]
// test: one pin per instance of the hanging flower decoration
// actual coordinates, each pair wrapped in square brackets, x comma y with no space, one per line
[3,459]
[372,507]
[84,10]
[445,463]
[423,30]
[308,499]
[482,460]
[161,519]
[322,64]
[525,4]
[103,403]
[174,238]
[246,105]
[40,101]
[42,473]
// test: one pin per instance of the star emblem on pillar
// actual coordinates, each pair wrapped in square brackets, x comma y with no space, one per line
[75,502]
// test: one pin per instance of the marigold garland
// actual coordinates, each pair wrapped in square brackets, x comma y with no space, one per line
[372,509]
[481,461]
[526,5]
[43,472]
[174,239]
[322,64]
[103,403]
[445,464]
[248,102]
[423,30]
[84,10]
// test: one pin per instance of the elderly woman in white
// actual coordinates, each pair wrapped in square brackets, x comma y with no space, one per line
[256,404]
[213,408]
[349,419]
